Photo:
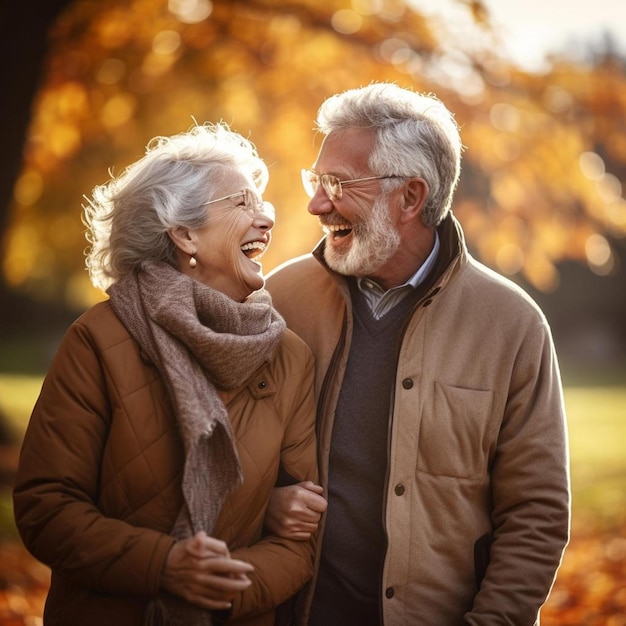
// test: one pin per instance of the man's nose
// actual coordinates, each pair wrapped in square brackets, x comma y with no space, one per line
[320,203]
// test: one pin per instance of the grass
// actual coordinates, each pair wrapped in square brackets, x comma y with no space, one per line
[17,397]
[590,586]
[597,431]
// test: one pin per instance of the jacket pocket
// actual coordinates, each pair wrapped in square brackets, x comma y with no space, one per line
[457,432]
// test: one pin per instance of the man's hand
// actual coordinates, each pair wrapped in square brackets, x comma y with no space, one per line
[294,512]
[201,571]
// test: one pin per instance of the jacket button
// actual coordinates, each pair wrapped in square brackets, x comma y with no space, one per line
[407,383]
[262,385]
[389,592]
[399,490]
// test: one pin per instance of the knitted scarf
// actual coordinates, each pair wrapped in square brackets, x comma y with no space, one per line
[199,339]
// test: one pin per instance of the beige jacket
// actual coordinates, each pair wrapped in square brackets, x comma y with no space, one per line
[99,482]
[477,486]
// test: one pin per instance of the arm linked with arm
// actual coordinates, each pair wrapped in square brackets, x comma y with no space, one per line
[282,566]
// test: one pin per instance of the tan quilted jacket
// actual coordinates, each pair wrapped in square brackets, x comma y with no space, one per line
[98,485]
[476,509]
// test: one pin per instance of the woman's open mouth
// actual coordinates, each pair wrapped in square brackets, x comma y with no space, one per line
[254,249]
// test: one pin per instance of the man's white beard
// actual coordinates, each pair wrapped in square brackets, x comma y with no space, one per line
[374,241]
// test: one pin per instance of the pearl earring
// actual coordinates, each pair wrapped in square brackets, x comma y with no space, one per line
[192,261]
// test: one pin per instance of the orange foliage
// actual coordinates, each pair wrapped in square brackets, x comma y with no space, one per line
[545,153]
[590,588]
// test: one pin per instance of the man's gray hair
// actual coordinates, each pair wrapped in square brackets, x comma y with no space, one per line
[416,135]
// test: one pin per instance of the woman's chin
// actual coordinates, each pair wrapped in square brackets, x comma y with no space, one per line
[253,283]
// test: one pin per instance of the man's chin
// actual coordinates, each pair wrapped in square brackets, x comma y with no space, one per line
[344,264]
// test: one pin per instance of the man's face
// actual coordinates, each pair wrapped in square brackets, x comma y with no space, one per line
[360,233]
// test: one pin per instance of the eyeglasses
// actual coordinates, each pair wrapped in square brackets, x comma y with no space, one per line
[311,181]
[250,203]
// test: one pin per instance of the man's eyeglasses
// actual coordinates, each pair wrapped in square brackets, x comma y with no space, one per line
[250,203]
[311,181]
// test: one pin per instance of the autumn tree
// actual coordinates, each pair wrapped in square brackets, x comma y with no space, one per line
[538,184]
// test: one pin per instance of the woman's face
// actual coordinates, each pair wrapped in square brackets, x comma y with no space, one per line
[229,246]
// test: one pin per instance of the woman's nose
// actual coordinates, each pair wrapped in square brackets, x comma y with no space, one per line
[264,219]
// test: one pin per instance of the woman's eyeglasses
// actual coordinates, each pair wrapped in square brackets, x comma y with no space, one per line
[250,203]
[311,181]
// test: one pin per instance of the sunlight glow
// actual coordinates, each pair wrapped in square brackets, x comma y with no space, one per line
[63,139]
[617,214]
[506,147]
[19,261]
[591,165]
[610,188]
[110,71]
[510,259]
[599,255]
[118,110]
[190,11]
[541,272]
[505,117]
[346,21]
[392,46]
[28,188]
[367,7]
[557,99]
[166,42]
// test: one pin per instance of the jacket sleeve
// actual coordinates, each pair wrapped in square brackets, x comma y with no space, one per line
[282,566]
[56,491]
[530,490]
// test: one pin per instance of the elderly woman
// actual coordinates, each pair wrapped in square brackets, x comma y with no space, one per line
[170,409]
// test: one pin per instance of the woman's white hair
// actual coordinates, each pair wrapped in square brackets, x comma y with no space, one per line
[416,135]
[127,218]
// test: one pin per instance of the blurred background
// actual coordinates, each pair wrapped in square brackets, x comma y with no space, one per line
[538,88]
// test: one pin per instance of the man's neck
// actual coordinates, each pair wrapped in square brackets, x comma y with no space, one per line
[406,261]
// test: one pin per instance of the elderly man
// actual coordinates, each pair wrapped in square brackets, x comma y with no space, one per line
[442,432]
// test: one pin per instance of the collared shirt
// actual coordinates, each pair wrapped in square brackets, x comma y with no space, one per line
[380,301]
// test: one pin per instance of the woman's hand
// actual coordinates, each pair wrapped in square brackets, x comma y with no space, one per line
[201,571]
[294,511]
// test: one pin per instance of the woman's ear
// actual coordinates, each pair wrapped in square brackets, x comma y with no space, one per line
[414,199]
[183,239]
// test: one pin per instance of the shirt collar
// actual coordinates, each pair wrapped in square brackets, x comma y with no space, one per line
[366,284]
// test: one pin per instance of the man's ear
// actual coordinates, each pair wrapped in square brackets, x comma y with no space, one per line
[183,239]
[414,199]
